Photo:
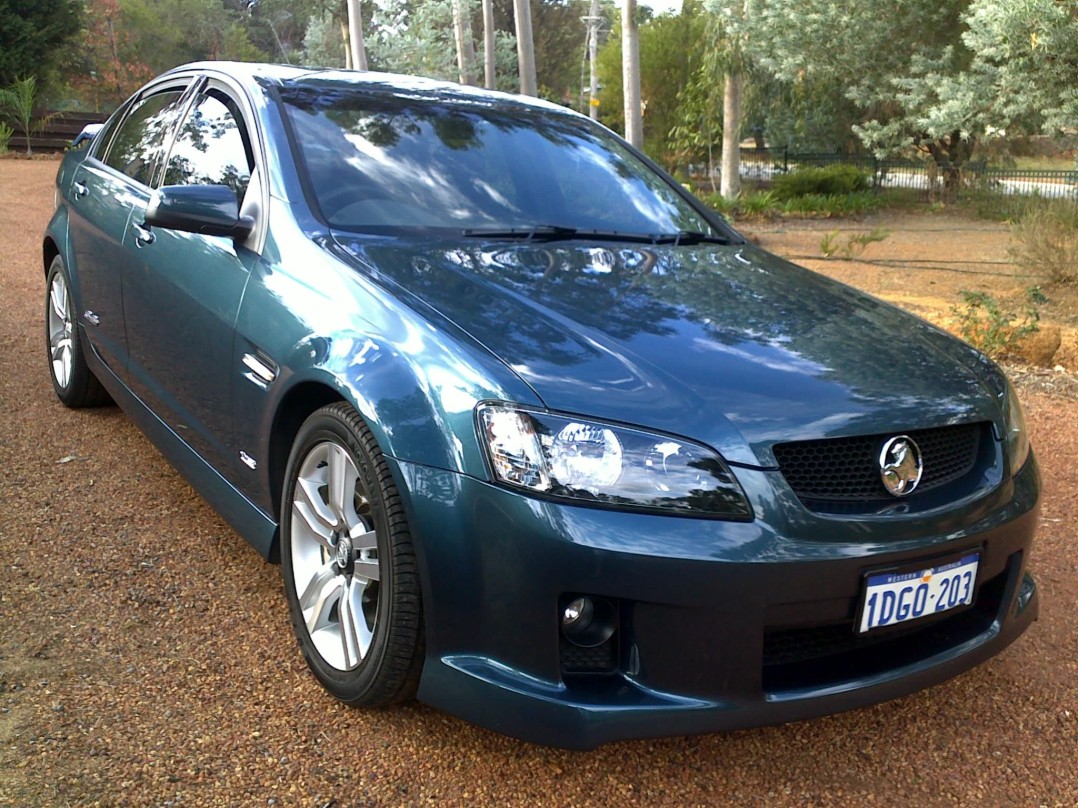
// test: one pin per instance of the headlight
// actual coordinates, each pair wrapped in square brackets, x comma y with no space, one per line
[606,464]
[1017,439]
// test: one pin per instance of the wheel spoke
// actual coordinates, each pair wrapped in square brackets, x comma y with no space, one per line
[363,539]
[322,578]
[327,595]
[355,635]
[59,299]
[61,360]
[60,345]
[337,480]
[308,506]
[368,569]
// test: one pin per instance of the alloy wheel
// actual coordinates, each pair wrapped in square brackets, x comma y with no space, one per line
[335,564]
[60,329]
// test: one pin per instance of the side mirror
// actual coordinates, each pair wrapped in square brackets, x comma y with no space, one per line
[211,210]
[88,133]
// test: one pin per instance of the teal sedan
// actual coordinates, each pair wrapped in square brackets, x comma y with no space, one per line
[535,436]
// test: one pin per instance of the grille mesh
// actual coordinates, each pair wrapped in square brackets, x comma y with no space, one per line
[847,469]
[600,659]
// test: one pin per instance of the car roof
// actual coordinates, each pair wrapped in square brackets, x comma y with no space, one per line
[370,81]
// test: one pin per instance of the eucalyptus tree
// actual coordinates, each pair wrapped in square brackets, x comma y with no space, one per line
[462,29]
[356,46]
[522,17]
[672,49]
[490,76]
[419,39]
[630,74]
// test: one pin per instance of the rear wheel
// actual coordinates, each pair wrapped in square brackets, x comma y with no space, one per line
[348,563]
[74,382]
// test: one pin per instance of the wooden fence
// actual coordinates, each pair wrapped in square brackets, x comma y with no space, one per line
[58,132]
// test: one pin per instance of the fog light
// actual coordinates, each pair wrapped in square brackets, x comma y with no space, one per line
[587,622]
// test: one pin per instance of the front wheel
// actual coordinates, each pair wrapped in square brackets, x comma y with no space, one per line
[348,563]
[74,382]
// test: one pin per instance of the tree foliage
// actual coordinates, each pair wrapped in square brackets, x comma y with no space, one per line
[34,35]
[671,52]
[560,39]
[418,40]
[108,70]
[1026,61]
[125,42]
[937,75]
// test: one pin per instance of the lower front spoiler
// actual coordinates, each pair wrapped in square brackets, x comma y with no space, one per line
[588,715]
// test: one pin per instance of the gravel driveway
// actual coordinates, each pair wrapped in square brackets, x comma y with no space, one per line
[146,656]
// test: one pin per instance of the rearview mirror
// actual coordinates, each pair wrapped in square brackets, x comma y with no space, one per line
[211,210]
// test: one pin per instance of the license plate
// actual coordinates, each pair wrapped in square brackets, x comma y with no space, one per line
[898,597]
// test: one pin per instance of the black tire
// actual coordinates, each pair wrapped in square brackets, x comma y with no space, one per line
[75,384]
[388,611]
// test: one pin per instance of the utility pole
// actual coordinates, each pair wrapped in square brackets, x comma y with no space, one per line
[355,36]
[630,73]
[522,11]
[488,44]
[593,22]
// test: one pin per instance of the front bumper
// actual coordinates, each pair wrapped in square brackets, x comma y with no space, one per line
[720,625]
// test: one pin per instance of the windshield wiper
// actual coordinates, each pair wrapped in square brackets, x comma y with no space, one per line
[554,232]
[539,232]
[690,237]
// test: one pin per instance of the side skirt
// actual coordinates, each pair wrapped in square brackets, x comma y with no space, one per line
[242,515]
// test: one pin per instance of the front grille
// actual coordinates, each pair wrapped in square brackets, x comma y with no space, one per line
[848,469]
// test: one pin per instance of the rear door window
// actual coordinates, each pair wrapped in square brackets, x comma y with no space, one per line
[136,147]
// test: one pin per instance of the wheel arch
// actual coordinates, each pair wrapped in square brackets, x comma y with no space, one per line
[295,407]
[49,251]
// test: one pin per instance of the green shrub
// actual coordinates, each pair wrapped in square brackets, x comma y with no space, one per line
[986,326]
[835,180]
[1046,242]
[761,203]
[5,136]
[855,243]
[752,205]
[831,205]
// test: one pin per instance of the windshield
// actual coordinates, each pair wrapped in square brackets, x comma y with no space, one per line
[377,162]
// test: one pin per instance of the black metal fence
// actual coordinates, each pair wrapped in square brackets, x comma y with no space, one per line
[932,180]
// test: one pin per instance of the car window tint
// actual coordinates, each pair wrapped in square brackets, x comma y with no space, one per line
[210,148]
[137,144]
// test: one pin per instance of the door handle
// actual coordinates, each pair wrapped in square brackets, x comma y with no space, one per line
[80,189]
[143,235]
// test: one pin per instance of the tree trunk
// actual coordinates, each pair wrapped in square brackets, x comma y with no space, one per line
[950,155]
[462,28]
[593,51]
[347,46]
[630,72]
[488,45]
[731,137]
[522,11]
[355,36]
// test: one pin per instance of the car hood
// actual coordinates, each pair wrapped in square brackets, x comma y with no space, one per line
[725,344]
